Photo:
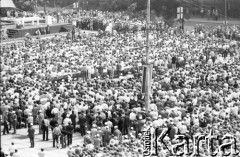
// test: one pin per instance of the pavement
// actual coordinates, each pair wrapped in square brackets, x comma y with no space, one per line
[22,143]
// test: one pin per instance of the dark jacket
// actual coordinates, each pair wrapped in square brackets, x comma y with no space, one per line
[53,123]
[69,129]
[73,118]
[31,132]
[82,120]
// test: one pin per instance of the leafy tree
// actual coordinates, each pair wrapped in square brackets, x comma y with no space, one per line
[131,10]
[26,5]
[166,8]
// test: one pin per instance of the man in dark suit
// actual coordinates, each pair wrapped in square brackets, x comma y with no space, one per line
[126,125]
[73,33]
[45,126]
[53,123]
[19,114]
[31,135]
[73,117]
[69,130]
[6,123]
[82,123]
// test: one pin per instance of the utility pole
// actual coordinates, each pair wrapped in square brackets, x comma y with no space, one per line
[1,131]
[225,21]
[45,7]
[36,3]
[148,79]
[78,5]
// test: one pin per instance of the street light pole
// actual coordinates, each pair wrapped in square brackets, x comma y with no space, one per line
[45,3]
[147,83]
[1,132]
[225,12]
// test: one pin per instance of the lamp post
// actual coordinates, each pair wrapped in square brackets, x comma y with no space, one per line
[147,83]
[1,132]
[45,3]
[225,20]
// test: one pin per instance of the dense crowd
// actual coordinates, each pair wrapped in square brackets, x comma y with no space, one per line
[223,32]
[92,85]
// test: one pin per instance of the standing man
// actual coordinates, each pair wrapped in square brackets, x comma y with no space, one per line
[30,119]
[10,118]
[174,61]
[53,123]
[45,127]
[82,123]
[63,137]
[73,117]
[19,114]
[6,123]
[73,33]
[35,114]
[56,134]
[40,119]
[67,120]
[31,134]
[69,129]
[26,113]
[14,122]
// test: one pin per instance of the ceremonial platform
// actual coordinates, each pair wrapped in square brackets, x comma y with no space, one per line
[14,32]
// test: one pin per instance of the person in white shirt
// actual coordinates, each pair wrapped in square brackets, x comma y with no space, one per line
[67,120]
[132,116]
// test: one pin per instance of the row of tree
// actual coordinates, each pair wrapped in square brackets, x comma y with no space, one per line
[135,8]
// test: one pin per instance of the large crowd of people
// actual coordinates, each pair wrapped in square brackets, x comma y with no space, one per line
[92,85]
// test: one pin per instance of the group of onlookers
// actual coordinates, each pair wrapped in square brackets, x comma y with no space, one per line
[93,85]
